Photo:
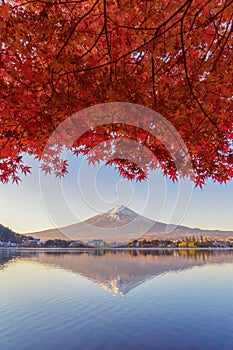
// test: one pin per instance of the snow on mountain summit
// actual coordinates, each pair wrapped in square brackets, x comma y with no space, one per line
[120,212]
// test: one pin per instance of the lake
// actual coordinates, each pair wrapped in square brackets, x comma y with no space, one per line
[160,299]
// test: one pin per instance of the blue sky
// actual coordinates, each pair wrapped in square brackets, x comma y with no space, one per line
[40,202]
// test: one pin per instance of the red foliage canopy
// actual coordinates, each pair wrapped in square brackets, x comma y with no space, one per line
[174,56]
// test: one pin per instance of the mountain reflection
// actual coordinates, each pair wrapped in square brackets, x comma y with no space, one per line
[120,271]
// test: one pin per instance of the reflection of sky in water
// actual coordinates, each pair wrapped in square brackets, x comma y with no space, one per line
[60,301]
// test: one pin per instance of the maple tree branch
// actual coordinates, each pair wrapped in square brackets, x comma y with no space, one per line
[153,79]
[187,74]
[126,54]
[216,14]
[106,30]
[198,126]
[140,47]
[216,31]
[106,34]
[74,28]
[222,48]
[154,28]
[214,38]
[68,89]
[53,2]
[93,45]
[211,19]
[197,13]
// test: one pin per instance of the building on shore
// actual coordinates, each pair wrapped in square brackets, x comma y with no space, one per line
[96,243]
[76,244]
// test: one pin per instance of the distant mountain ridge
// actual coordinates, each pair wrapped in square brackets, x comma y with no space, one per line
[123,224]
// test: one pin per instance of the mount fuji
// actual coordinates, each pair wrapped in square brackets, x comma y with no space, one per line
[123,224]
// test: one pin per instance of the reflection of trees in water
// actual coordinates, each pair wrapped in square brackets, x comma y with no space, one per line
[7,255]
[189,254]
[202,255]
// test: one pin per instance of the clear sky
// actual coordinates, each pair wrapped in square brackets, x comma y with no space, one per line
[40,202]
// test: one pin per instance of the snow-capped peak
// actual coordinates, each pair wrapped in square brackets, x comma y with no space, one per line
[120,212]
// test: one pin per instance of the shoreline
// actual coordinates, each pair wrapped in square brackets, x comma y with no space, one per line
[112,249]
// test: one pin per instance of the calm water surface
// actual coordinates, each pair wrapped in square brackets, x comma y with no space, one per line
[116,300]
